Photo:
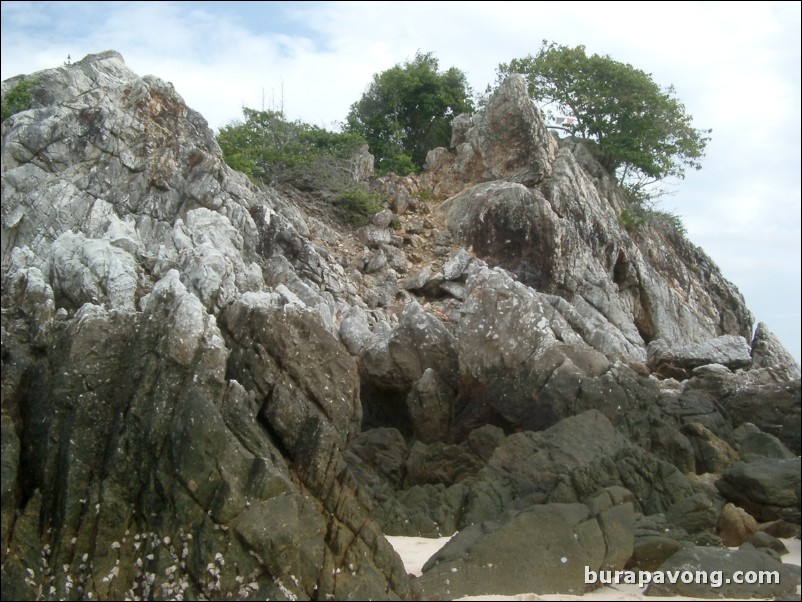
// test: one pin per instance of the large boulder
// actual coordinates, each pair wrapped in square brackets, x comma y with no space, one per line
[735,525]
[757,397]
[507,224]
[767,488]
[719,566]
[521,363]
[224,474]
[571,462]
[543,549]
[730,351]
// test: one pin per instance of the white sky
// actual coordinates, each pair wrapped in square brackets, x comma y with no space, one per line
[735,66]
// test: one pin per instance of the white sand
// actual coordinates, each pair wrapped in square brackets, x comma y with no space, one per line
[415,551]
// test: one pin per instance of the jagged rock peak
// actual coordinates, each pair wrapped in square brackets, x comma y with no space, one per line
[768,352]
[549,213]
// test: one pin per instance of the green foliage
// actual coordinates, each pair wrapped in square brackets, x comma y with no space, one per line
[631,220]
[268,147]
[17,99]
[408,110]
[359,204]
[636,129]
[426,194]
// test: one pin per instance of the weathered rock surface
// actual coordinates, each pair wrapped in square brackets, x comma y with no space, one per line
[508,140]
[167,431]
[543,549]
[735,526]
[724,563]
[767,488]
[559,202]
[217,389]
[729,351]
[757,396]
[768,352]
[763,444]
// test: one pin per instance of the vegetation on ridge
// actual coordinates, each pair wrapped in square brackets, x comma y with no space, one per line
[407,111]
[17,99]
[637,130]
[271,149]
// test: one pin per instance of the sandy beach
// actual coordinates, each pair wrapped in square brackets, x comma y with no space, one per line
[415,551]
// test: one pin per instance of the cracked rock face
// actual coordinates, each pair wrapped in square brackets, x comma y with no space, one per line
[215,389]
[167,430]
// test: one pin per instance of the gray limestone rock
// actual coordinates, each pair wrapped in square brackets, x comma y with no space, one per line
[148,364]
[420,341]
[508,139]
[768,352]
[456,265]
[730,351]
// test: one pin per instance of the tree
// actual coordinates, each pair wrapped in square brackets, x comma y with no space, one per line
[408,110]
[637,130]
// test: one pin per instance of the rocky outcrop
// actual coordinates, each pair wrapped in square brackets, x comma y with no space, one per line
[216,389]
[167,431]
[755,396]
[768,352]
[559,231]
[507,141]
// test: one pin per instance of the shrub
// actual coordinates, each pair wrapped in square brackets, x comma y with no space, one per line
[17,99]
[359,204]
[630,220]
[269,148]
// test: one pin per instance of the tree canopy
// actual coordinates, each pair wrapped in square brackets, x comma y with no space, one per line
[637,130]
[408,110]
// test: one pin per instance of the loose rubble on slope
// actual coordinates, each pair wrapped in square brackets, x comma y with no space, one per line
[213,389]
